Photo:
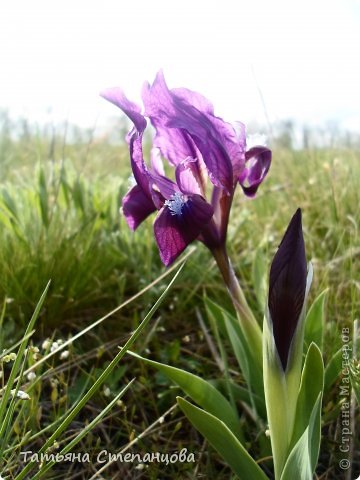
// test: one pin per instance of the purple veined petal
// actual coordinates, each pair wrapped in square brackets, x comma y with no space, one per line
[258,161]
[156,187]
[239,158]
[240,132]
[158,100]
[134,138]
[195,99]
[166,187]
[157,164]
[132,110]
[167,110]
[188,176]
[136,206]
[234,142]
[218,163]
[178,223]
[174,144]
[287,287]
[204,131]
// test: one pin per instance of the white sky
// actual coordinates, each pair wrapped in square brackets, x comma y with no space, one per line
[305,56]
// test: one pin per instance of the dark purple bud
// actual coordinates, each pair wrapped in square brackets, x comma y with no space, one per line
[287,287]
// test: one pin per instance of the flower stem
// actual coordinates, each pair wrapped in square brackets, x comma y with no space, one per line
[247,320]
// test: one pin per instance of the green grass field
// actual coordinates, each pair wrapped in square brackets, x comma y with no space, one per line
[60,221]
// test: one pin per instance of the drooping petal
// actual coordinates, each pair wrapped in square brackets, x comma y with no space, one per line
[136,207]
[117,97]
[258,160]
[133,111]
[145,179]
[287,287]
[176,226]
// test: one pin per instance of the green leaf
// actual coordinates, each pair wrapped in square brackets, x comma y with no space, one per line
[312,385]
[250,367]
[240,393]
[259,274]
[355,379]
[333,369]
[215,314]
[315,320]
[43,198]
[299,463]
[249,362]
[78,194]
[9,203]
[6,411]
[202,392]
[224,442]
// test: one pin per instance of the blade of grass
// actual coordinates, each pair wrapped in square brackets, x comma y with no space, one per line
[18,361]
[9,412]
[84,432]
[12,348]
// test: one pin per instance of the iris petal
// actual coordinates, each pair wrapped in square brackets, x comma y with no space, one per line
[132,110]
[258,161]
[188,176]
[136,207]
[168,110]
[174,231]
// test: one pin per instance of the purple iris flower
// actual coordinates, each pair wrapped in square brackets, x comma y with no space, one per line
[204,150]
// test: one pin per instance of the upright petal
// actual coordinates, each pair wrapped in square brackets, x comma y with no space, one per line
[174,144]
[233,142]
[258,161]
[188,176]
[178,225]
[157,163]
[168,110]
[287,287]
[195,99]
[136,207]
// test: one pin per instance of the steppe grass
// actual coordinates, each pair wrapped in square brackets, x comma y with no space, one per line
[60,221]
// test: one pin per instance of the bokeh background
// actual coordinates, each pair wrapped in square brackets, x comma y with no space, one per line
[258,61]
